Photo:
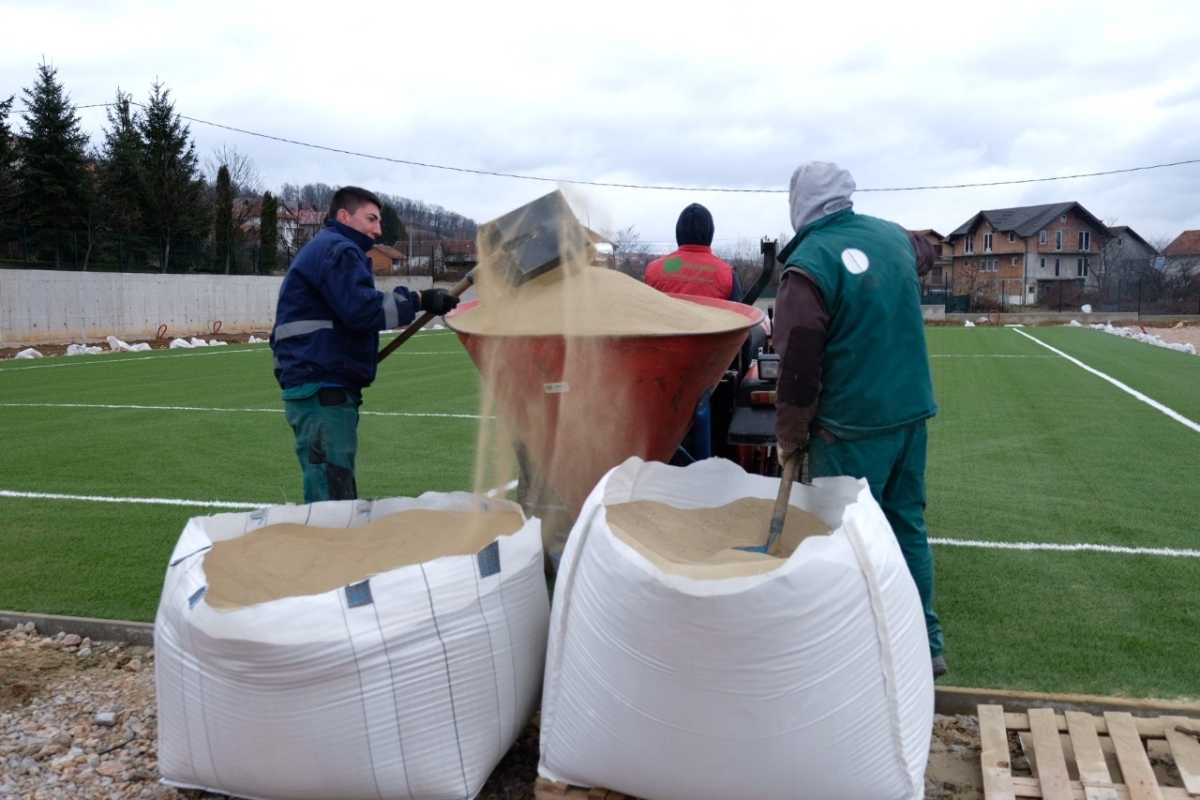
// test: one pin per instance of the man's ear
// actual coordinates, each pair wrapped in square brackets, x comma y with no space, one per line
[342,216]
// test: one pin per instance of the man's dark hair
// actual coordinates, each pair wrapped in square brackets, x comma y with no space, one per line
[350,198]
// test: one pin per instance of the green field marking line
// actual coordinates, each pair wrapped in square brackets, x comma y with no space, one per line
[138,407]
[1150,401]
[982,544]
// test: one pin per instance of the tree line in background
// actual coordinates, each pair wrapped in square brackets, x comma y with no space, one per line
[141,200]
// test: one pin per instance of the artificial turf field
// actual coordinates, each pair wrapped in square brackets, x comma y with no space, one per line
[1027,447]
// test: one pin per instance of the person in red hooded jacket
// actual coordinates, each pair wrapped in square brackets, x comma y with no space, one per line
[693,269]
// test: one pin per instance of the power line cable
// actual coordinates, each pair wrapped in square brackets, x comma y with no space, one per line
[651,186]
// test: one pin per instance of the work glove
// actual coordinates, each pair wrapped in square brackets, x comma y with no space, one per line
[437,301]
[792,424]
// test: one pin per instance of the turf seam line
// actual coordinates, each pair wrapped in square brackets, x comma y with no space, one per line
[1150,401]
[140,407]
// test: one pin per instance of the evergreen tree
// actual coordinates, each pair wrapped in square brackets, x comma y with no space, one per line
[8,180]
[223,220]
[51,166]
[119,177]
[268,235]
[389,221]
[172,191]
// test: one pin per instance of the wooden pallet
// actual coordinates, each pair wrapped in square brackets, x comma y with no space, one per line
[553,790]
[1055,758]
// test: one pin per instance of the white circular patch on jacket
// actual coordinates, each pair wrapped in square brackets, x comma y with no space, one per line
[855,260]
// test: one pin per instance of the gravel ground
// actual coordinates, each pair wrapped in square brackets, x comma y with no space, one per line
[77,720]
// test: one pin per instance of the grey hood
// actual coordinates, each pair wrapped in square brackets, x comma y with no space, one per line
[818,188]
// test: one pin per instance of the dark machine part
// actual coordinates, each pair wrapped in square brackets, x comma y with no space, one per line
[744,402]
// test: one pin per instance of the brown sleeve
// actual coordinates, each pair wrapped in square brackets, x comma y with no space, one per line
[801,327]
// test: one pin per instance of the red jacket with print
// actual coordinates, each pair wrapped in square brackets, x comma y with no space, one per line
[692,270]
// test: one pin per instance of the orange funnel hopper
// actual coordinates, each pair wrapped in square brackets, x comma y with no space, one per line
[580,405]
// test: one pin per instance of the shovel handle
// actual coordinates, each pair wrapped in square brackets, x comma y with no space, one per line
[779,515]
[420,322]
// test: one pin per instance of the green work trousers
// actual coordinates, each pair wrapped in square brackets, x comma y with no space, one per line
[894,465]
[326,428]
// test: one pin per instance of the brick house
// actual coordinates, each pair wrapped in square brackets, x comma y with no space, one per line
[937,279]
[1017,256]
[386,260]
[1183,254]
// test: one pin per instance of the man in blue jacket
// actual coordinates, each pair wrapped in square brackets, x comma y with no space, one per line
[326,337]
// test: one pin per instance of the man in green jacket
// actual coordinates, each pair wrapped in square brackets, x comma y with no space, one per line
[854,383]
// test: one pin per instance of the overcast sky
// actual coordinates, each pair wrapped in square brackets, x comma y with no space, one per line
[729,94]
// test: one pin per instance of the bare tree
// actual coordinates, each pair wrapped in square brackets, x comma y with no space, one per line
[243,174]
[633,255]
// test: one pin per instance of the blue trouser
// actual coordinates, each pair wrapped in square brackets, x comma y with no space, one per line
[894,465]
[326,428]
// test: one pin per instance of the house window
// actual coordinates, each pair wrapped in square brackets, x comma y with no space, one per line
[1085,267]
[969,245]
[1058,240]
[1043,265]
[990,264]
[1042,237]
[935,275]
[1063,218]
[1056,265]
[1012,237]
[987,243]
[1079,267]
[1014,260]
[1085,240]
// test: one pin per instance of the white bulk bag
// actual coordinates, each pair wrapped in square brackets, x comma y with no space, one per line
[812,680]
[411,684]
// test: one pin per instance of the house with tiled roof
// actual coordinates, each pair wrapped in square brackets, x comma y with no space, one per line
[1017,255]
[1183,254]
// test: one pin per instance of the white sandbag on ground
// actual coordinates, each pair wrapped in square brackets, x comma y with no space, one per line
[811,680]
[177,344]
[410,684]
[29,352]
[83,350]
[118,345]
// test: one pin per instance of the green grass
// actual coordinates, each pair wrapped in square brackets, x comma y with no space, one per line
[1030,448]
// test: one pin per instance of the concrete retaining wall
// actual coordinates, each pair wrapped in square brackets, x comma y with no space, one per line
[1056,318]
[51,307]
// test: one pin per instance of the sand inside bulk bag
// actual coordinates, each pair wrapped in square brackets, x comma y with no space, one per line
[703,542]
[290,560]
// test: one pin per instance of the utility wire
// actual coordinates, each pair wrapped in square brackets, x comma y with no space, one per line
[651,186]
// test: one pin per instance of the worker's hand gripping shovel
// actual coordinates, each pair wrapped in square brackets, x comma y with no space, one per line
[519,246]
[790,467]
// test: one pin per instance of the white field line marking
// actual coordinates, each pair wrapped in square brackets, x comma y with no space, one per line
[1169,552]
[499,490]
[153,501]
[1070,548]
[134,407]
[1157,406]
[98,360]
[988,355]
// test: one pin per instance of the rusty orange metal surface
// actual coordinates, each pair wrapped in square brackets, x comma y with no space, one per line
[580,405]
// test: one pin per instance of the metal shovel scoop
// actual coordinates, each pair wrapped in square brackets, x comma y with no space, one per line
[523,244]
[779,515]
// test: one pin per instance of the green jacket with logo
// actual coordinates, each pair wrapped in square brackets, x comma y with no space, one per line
[875,369]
